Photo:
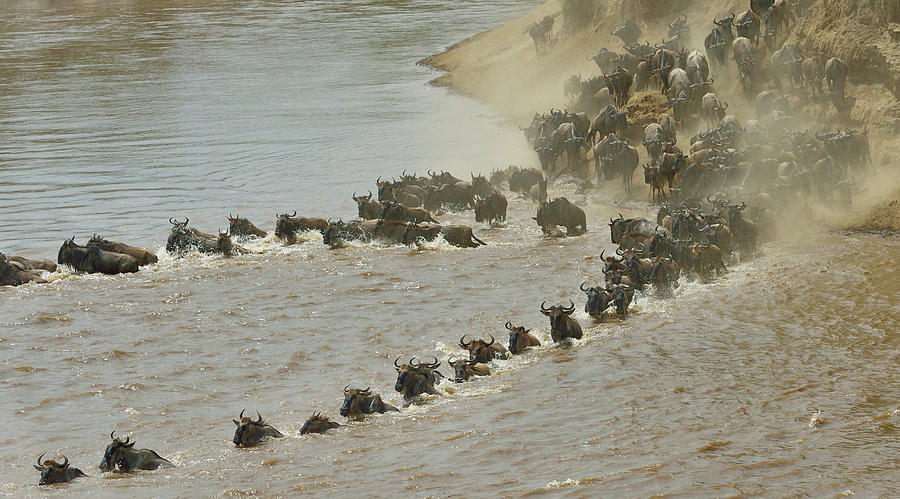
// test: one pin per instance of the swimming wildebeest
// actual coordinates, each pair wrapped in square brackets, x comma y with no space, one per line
[14,274]
[53,472]
[561,212]
[562,325]
[358,403]
[120,454]
[142,255]
[456,235]
[465,369]
[483,351]
[403,213]
[416,378]
[520,339]
[491,208]
[33,264]
[92,259]
[287,226]
[368,208]
[239,226]
[317,423]
[249,432]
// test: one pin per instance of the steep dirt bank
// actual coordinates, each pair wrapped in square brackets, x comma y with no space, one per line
[500,68]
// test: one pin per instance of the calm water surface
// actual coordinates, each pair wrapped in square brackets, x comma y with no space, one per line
[777,379]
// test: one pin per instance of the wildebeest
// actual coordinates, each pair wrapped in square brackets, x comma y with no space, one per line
[719,39]
[403,213]
[339,232]
[621,161]
[368,208]
[607,122]
[562,324]
[522,181]
[713,108]
[182,239]
[520,339]
[390,231]
[54,472]
[620,226]
[490,209]
[287,226]
[483,351]
[465,369]
[836,75]
[14,274]
[707,258]
[540,33]
[142,255]
[538,192]
[121,454]
[249,432]
[317,423]
[743,57]
[416,378]
[777,20]
[664,275]
[242,227]
[599,299]
[747,26]
[33,264]
[358,403]
[629,32]
[459,195]
[561,212]
[456,235]
[787,61]
[481,186]
[92,259]
[604,59]
[813,73]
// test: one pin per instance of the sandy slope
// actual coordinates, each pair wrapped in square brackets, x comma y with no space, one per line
[500,68]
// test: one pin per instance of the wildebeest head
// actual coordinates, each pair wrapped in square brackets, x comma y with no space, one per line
[598,300]
[519,338]
[367,208]
[284,225]
[479,350]
[242,227]
[416,378]
[465,369]
[53,472]
[557,313]
[224,244]
[317,423]
[249,432]
[114,452]
[356,402]
[481,186]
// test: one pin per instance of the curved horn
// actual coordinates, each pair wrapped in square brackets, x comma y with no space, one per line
[346,388]
[294,214]
[354,195]
[172,220]
[241,416]
[601,256]
[620,251]
[509,325]
[434,364]
[112,435]
[492,339]
[414,364]
[581,287]
[258,418]
[571,307]
[710,200]
[65,463]
[643,247]
[543,308]
[186,220]
[395,362]
[39,459]
[463,343]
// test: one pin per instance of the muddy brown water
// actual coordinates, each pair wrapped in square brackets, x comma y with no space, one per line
[777,379]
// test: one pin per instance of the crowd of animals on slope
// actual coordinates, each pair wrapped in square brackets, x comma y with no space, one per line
[768,157]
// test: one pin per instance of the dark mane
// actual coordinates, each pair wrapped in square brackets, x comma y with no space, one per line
[78,256]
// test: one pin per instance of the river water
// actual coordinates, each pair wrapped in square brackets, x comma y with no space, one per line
[777,379]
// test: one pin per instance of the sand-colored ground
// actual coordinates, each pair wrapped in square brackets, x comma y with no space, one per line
[500,68]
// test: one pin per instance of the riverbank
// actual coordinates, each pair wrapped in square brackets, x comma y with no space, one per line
[499,68]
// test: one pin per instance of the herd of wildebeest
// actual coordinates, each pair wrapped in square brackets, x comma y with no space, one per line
[716,203]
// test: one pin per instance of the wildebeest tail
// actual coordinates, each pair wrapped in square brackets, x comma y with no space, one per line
[479,241]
